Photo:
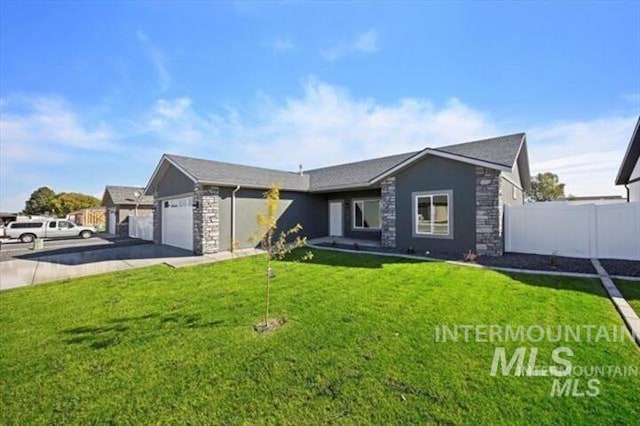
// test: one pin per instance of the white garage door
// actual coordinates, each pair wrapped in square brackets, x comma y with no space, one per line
[177,223]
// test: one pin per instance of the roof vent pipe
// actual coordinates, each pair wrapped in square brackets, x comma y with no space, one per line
[300,167]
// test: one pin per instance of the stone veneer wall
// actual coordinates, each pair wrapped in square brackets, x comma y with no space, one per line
[388,210]
[157,221]
[489,206]
[206,220]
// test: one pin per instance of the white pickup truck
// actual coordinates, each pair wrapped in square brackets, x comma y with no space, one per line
[28,231]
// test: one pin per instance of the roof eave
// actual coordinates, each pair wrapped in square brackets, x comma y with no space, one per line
[441,154]
[250,185]
[525,175]
[166,158]
[633,150]
[361,185]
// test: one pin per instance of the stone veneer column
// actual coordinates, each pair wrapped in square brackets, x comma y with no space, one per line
[157,221]
[206,220]
[489,206]
[388,209]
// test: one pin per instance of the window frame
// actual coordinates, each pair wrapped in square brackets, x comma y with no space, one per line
[414,218]
[353,214]
[67,224]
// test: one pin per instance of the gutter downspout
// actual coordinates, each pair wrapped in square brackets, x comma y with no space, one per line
[626,186]
[233,218]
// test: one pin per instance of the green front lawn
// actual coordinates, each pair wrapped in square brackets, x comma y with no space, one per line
[161,345]
[631,292]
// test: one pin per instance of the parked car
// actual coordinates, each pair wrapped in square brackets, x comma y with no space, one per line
[46,228]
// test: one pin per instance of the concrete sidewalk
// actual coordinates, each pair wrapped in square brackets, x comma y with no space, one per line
[35,270]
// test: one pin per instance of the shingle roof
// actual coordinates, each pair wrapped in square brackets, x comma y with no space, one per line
[126,195]
[502,150]
[353,174]
[210,171]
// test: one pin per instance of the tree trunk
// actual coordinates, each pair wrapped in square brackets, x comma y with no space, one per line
[266,301]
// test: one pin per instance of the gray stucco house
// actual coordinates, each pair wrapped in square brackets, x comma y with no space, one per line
[629,172]
[447,200]
[122,202]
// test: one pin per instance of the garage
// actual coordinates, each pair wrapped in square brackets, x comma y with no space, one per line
[177,223]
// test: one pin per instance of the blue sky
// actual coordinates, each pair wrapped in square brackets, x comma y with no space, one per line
[92,93]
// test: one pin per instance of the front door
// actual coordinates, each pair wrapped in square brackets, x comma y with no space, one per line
[335,218]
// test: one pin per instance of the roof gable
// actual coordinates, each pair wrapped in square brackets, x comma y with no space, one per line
[630,157]
[501,153]
[228,174]
[118,195]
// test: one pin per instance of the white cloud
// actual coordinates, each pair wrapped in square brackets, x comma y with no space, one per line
[585,154]
[281,44]
[44,129]
[324,125]
[175,121]
[633,98]
[157,59]
[43,140]
[366,42]
[327,125]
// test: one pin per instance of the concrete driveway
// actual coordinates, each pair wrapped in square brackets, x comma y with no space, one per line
[35,267]
[11,249]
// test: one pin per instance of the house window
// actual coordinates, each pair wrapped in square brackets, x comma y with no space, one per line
[366,214]
[432,214]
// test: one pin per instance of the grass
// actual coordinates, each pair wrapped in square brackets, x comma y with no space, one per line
[176,346]
[631,292]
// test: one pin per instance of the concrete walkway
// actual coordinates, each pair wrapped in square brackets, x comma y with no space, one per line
[40,269]
[626,311]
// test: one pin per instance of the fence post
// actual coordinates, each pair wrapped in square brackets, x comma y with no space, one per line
[593,230]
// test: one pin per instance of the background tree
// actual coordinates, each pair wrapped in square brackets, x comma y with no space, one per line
[277,245]
[40,201]
[66,202]
[545,187]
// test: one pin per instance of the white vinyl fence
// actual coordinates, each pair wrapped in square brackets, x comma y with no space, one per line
[141,227]
[610,231]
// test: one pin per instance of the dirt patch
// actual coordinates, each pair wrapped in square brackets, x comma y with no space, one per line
[273,324]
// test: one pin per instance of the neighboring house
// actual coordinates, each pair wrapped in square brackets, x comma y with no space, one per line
[6,217]
[122,202]
[594,199]
[446,200]
[629,173]
[92,216]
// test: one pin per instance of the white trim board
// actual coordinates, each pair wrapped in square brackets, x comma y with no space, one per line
[173,163]
[442,154]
